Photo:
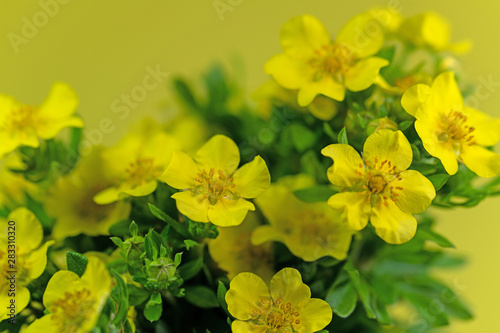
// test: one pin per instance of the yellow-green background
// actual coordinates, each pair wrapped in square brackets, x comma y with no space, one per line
[102,48]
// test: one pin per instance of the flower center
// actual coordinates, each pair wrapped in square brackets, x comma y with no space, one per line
[71,311]
[332,60]
[376,184]
[22,117]
[215,185]
[454,129]
[142,170]
[277,316]
[22,277]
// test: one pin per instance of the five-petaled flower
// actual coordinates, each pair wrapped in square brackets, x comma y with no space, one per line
[213,190]
[286,306]
[451,130]
[313,64]
[25,125]
[74,303]
[378,187]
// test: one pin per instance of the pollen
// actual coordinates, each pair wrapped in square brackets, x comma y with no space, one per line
[142,170]
[279,317]
[22,117]
[215,185]
[332,60]
[454,128]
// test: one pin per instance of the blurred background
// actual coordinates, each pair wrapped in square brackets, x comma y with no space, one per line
[105,49]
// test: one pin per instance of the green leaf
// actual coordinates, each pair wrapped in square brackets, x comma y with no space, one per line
[149,246]
[302,137]
[439,180]
[316,193]
[120,296]
[221,296]
[329,131]
[190,243]
[154,307]
[165,218]
[133,228]
[440,240]
[415,151]
[185,93]
[76,262]
[381,312]
[362,288]
[342,138]
[342,299]
[405,124]
[136,295]
[117,240]
[382,111]
[190,269]
[362,121]
[201,296]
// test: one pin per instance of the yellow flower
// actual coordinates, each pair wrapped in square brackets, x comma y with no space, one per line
[271,94]
[234,253]
[432,30]
[30,258]
[74,303]
[137,163]
[213,190]
[13,186]
[450,130]
[315,65]
[378,187]
[309,230]
[286,306]
[25,125]
[70,202]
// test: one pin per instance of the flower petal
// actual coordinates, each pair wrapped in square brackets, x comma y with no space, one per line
[97,279]
[315,315]
[61,102]
[355,208]
[445,94]
[60,283]
[287,285]
[363,74]
[245,294]
[390,146]
[417,192]
[22,298]
[37,260]
[252,179]
[487,129]
[220,153]
[414,97]
[346,161]
[193,206]
[326,86]
[239,326]
[182,171]
[140,190]
[363,34]
[29,229]
[303,34]
[266,233]
[392,224]
[226,213]
[44,324]
[288,72]
[323,108]
[482,161]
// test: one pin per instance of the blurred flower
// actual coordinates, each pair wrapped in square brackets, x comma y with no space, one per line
[286,306]
[213,190]
[315,65]
[29,254]
[13,186]
[136,163]
[309,230]
[378,187]
[70,202]
[431,30]
[450,130]
[25,125]
[74,303]
[234,253]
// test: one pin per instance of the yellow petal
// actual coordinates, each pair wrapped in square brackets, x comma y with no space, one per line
[486,129]
[239,326]
[323,108]
[414,97]
[265,234]
[141,190]
[28,228]
[193,206]
[363,74]
[61,102]
[445,94]
[289,73]
[363,34]
[315,315]
[108,196]
[417,193]
[245,294]
[22,298]
[60,283]
[37,260]
[252,179]
[301,35]
[390,146]
[355,208]
[220,153]
[226,213]
[326,86]
[392,224]
[44,324]
[97,279]
[182,171]
[51,127]
[482,161]
[346,161]
[287,285]
[427,29]
[272,202]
